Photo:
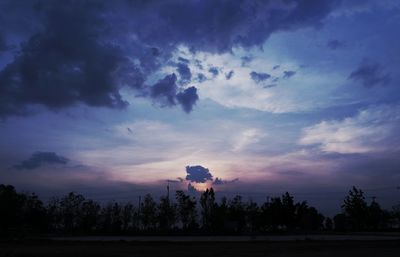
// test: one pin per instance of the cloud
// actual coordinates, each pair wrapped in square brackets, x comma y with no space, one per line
[184,60]
[165,91]
[198,174]
[201,77]
[270,86]
[219,181]
[184,72]
[3,43]
[276,67]
[188,98]
[374,129]
[75,52]
[370,74]
[214,71]
[247,138]
[288,74]
[335,44]
[222,25]
[39,158]
[66,63]
[259,77]
[174,180]
[229,75]
[246,60]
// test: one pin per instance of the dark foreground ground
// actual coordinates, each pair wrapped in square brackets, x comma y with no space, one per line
[43,248]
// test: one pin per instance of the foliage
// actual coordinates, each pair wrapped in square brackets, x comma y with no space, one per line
[25,213]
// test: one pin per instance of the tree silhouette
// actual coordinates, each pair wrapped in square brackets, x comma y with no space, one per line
[328,224]
[208,207]
[24,213]
[237,214]
[9,208]
[166,214]
[341,222]
[90,216]
[376,217]
[128,217]
[355,208]
[288,211]
[186,210]
[148,213]
[253,217]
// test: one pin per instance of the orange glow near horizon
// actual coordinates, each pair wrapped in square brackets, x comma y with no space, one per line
[201,187]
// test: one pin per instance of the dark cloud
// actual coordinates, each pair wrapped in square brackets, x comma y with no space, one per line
[65,63]
[198,174]
[165,90]
[86,51]
[184,72]
[198,64]
[229,75]
[39,158]
[276,67]
[201,77]
[184,60]
[219,181]
[335,44]
[270,85]
[259,77]
[3,43]
[292,173]
[214,71]
[166,93]
[288,74]
[217,26]
[129,130]
[246,60]
[188,98]
[370,75]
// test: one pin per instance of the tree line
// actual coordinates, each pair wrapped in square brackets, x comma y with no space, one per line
[25,213]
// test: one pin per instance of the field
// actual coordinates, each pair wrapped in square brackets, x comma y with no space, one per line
[309,248]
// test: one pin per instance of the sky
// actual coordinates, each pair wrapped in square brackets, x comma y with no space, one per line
[116,99]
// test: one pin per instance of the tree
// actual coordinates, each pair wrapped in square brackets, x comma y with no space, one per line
[71,211]
[252,216]
[328,224]
[148,213]
[355,208]
[90,216]
[20,212]
[166,214]
[33,213]
[288,211]
[308,218]
[208,206]
[128,217]
[236,214]
[9,205]
[271,213]
[376,217]
[340,221]
[186,210]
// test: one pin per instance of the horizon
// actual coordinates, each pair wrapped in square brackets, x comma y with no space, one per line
[118,99]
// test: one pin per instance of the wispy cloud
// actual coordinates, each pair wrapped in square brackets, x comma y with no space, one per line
[373,129]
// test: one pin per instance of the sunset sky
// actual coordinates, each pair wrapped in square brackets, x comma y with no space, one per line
[115,98]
